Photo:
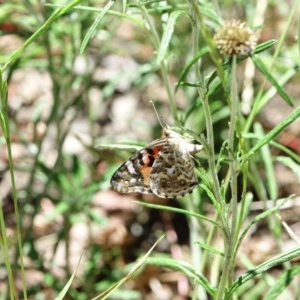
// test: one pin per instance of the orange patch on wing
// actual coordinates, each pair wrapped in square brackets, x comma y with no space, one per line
[145,170]
[150,157]
[156,150]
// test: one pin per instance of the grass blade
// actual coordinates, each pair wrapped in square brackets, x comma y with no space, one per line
[168,34]
[64,291]
[290,163]
[273,133]
[264,267]
[265,71]
[138,265]
[185,268]
[179,211]
[210,249]
[95,26]
[268,163]
[283,281]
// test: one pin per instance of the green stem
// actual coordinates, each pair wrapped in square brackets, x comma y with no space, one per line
[227,273]
[233,165]
[213,170]
[6,133]
[211,157]
[5,255]
[17,216]
[244,171]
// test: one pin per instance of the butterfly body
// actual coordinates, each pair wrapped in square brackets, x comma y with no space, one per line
[165,167]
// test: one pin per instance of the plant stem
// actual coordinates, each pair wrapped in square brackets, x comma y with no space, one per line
[233,165]
[6,133]
[211,157]
[226,277]
[213,170]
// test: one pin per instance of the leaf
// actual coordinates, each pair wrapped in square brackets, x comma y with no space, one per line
[283,281]
[168,34]
[64,291]
[184,268]
[186,69]
[273,133]
[265,71]
[95,26]
[138,265]
[102,147]
[179,211]
[287,151]
[209,248]
[264,46]
[264,267]
[268,163]
[259,217]
[290,163]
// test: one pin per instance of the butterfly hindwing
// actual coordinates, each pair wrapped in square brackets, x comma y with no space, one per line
[172,175]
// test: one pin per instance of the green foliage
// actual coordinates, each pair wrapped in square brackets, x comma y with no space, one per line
[236,166]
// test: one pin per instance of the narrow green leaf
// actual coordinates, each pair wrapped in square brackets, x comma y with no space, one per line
[124,4]
[185,268]
[168,34]
[95,26]
[264,267]
[265,71]
[259,217]
[283,281]
[273,133]
[213,76]
[118,147]
[138,265]
[264,46]
[4,122]
[290,163]
[268,163]
[272,92]
[186,69]
[64,291]
[179,211]
[286,150]
[209,248]
[4,245]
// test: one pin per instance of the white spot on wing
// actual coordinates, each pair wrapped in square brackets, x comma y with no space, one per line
[130,167]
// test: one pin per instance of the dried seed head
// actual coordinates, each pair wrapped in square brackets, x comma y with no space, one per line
[235,38]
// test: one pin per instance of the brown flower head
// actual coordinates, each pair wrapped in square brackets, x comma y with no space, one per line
[235,38]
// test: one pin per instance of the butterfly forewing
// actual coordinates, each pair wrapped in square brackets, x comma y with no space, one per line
[133,175]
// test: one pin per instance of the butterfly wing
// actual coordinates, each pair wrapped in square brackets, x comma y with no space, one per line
[133,175]
[172,174]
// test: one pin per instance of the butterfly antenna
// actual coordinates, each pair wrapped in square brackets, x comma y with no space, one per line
[159,117]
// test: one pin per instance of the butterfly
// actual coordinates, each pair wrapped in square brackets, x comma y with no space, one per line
[165,167]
